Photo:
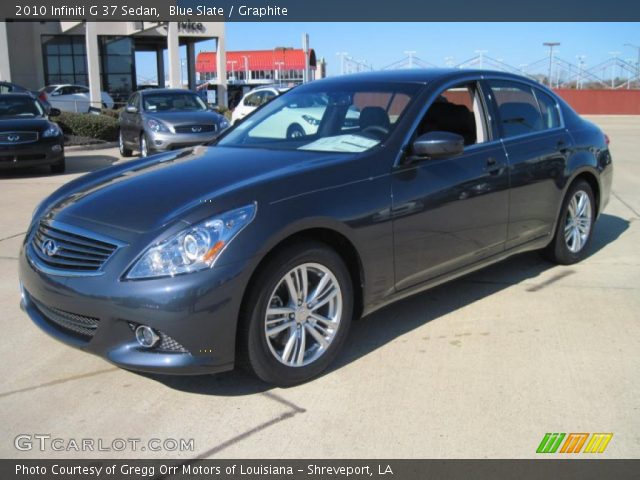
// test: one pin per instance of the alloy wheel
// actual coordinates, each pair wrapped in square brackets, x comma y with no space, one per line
[578,224]
[144,149]
[303,315]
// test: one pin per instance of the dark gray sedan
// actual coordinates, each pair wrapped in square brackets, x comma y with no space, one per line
[158,120]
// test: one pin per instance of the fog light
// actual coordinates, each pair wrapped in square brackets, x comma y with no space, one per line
[56,148]
[146,336]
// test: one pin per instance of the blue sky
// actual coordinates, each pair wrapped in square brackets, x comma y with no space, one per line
[384,43]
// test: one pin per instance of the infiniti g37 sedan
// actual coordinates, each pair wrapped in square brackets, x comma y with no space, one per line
[260,251]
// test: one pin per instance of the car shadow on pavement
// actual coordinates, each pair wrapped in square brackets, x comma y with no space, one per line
[383,326]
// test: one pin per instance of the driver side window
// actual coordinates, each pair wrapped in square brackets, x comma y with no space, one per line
[459,110]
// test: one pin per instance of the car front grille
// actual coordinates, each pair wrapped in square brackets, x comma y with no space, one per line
[196,128]
[12,138]
[74,323]
[68,251]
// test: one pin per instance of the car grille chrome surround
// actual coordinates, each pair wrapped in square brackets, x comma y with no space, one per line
[14,138]
[64,250]
[74,323]
[195,128]
[166,345]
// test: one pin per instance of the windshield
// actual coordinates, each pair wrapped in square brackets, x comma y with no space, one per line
[343,117]
[19,106]
[173,102]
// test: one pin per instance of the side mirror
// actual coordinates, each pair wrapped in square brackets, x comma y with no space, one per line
[54,112]
[132,109]
[437,145]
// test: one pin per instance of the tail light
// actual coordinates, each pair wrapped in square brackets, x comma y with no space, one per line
[606,139]
[43,96]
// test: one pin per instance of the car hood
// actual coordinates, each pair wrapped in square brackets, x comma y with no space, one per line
[185,118]
[146,195]
[23,124]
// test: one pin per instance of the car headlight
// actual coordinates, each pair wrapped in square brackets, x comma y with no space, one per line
[156,126]
[52,131]
[224,124]
[310,120]
[194,248]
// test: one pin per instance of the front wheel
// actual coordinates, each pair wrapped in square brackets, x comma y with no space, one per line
[575,226]
[144,146]
[298,315]
[124,151]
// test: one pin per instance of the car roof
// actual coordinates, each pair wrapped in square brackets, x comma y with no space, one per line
[17,94]
[421,76]
[154,91]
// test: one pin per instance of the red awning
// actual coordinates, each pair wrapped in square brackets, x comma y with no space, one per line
[292,59]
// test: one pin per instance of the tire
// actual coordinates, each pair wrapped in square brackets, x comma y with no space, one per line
[59,167]
[124,151]
[573,247]
[144,146]
[295,131]
[263,354]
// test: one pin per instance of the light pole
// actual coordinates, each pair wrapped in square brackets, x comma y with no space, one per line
[613,67]
[580,59]
[551,46]
[342,56]
[233,69]
[631,45]
[481,56]
[410,54]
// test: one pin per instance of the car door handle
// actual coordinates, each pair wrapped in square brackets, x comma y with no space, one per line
[561,146]
[493,167]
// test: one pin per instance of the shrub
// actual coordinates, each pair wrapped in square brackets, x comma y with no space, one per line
[101,127]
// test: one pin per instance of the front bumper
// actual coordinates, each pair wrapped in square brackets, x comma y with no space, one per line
[43,152]
[163,141]
[199,311]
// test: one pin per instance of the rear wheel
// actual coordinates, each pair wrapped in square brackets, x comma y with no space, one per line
[59,167]
[298,315]
[124,151]
[575,225]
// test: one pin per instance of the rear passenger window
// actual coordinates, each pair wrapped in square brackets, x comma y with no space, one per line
[517,108]
[548,108]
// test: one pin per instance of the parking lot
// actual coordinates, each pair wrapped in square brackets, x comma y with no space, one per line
[481,367]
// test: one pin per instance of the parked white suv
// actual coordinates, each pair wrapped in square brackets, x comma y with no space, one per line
[73,98]
[253,99]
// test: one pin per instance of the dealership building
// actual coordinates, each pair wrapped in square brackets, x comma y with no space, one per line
[101,55]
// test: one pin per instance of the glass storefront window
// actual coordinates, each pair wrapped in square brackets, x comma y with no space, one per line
[64,59]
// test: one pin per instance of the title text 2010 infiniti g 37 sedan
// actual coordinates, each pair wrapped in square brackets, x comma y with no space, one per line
[260,250]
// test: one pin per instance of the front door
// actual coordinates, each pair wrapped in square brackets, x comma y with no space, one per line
[451,212]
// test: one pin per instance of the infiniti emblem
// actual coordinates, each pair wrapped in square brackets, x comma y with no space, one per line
[13,138]
[196,129]
[49,248]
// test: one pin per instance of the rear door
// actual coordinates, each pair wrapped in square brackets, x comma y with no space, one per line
[452,212]
[537,145]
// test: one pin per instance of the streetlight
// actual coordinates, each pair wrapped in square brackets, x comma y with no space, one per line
[631,45]
[481,56]
[233,68]
[551,46]
[410,53]
[342,56]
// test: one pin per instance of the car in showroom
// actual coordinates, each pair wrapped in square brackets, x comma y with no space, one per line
[156,120]
[254,99]
[259,252]
[27,137]
[73,98]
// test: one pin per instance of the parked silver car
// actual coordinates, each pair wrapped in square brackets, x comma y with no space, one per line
[165,119]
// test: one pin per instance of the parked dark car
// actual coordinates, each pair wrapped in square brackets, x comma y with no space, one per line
[259,251]
[166,119]
[27,137]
